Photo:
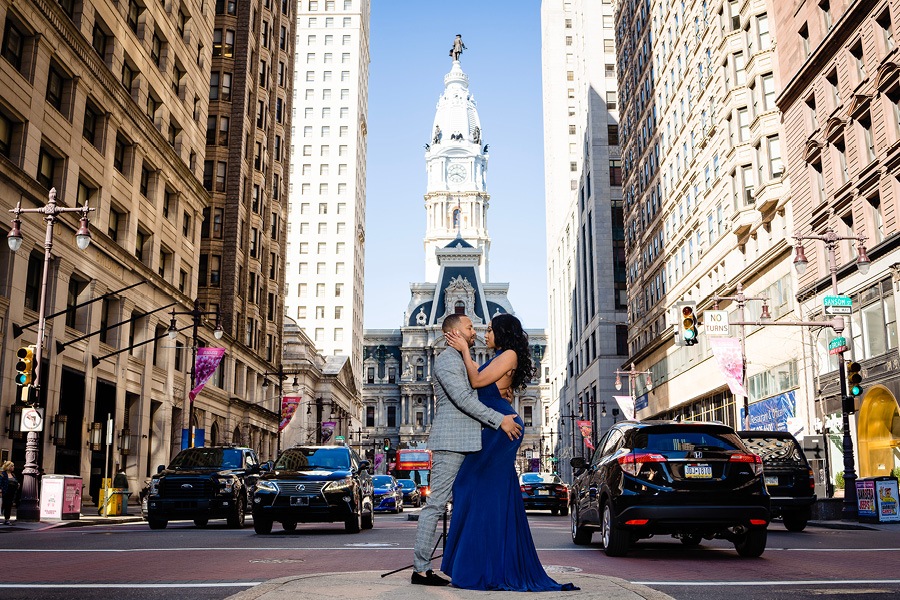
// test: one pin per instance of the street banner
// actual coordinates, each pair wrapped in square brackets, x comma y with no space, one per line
[379,460]
[626,405]
[586,427]
[288,408]
[327,431]
[773,414]
[208,360]
[731,362]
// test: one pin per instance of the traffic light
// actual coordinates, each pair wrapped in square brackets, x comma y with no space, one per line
[387,444]
[25,365]
[854,379]
[686,319]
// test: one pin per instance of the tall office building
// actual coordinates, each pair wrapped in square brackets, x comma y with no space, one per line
[707,208]
[327,215]
[841,106]
[585,241]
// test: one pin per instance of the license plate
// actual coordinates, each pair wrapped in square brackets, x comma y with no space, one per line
[299,500]
[543,492]
[771,479]
[698,471]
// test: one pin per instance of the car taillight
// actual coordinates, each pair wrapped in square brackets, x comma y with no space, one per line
[812,480]
[632,463]
[525,488]
[562,492]
[754,460]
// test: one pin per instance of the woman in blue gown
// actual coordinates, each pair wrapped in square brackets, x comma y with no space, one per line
[489,545]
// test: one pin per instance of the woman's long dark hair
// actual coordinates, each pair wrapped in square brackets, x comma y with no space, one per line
[509,335]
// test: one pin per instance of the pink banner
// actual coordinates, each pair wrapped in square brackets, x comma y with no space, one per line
[288,408]
[327,431]
[208,360]
[586,427]
[731,362]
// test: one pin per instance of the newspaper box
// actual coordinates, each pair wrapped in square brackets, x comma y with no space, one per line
[61,497]
[876,500]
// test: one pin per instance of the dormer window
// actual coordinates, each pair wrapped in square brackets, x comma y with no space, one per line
[459,308]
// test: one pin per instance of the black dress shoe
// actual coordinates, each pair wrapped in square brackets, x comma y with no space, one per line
[429,578]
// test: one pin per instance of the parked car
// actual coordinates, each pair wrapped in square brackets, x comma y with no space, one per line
[388,494]
[544,491]
[411,494]
[201,484]
[789,478]
[314,484]
[689,480]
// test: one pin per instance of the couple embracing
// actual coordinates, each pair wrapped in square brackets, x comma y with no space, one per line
[474,439]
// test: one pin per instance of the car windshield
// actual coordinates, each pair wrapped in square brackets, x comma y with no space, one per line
[299,459]
[408,484]
[775,449]
[382,481]
[539,478]
[207,458]
[684,439]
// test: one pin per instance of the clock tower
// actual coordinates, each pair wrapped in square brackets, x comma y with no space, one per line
[456,200]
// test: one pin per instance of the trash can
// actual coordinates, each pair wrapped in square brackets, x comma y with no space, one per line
[877,500]
[61,497]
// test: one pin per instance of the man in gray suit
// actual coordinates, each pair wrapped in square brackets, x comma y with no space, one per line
[455,431]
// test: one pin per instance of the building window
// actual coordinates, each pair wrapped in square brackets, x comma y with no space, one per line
[370,410]
[887,30]
[57,84]
[49,169]
[91,128]
[776,167]
[116,222]
[615,172]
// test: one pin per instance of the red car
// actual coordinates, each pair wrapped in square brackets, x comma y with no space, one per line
[544,491]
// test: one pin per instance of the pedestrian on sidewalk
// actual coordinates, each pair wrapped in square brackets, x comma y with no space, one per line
[9,486]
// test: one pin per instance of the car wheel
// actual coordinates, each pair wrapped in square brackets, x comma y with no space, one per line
[353,524]
[615,541]
[289,526]
[368,519]
[238,515]
[157,523]
[201,522]
[752,543]
[262,526]
[580,535]
[564,510]
[554,511]
[691,539]
[796,520]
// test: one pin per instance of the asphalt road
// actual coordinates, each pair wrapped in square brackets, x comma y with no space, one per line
[129,561]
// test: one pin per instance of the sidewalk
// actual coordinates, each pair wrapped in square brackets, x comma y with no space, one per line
[84,521]
[370,585]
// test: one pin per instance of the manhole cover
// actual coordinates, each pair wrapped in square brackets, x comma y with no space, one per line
[371,545]
[561,569]
[276,561]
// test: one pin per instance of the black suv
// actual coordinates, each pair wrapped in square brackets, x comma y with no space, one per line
[314,484]
[689,480]
[789,478]
[202,484]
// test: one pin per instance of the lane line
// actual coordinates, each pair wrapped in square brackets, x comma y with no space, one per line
[769,583]
[38,586]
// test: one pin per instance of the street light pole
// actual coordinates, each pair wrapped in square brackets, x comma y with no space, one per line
[196,315]
[632,377]
[831,239]
[29,504]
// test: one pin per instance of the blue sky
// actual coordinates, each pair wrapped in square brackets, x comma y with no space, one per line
[410,41]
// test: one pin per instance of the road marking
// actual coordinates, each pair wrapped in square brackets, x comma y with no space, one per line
[768,583]
[37,586]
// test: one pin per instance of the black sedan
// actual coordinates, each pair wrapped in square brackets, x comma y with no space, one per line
[691,480]
[411,494]
[314,484]
[388,494]
[544,491]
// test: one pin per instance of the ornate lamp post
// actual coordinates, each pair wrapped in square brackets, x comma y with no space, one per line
[632,374]
[831,239]
[196,315]
[29,505]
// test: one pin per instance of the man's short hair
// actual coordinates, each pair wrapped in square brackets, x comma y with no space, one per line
[452,322]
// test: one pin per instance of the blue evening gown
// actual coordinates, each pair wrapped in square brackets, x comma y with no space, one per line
[489,544]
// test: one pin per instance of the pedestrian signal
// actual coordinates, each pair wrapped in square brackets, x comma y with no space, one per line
[25,365]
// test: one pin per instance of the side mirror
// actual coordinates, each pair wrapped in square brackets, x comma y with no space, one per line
[160,468]
[267,466]
[364,465]
[578,462]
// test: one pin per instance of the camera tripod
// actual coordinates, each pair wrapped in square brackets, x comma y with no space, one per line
[441,538]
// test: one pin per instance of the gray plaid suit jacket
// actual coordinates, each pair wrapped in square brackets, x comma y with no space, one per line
[458,411]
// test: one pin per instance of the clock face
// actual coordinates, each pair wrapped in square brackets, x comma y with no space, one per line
[456,173]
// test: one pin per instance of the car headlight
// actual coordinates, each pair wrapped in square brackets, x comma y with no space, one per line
[340,485]
[226,485]
[154,487]
[266,486]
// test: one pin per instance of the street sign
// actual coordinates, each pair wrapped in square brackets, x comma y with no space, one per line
[838,305]
[715,322]
[837,345]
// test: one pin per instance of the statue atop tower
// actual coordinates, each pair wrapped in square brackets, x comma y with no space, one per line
[457,48]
